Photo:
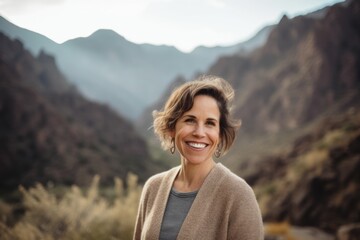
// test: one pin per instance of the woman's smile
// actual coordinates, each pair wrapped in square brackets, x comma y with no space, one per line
[197,146]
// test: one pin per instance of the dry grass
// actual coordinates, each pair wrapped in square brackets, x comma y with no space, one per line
[282,230]
[77,214]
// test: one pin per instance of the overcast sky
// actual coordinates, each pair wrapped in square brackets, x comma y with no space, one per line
[184,24]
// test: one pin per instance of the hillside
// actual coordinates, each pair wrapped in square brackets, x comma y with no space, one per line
[316,183]
[308,69]
[298,98]
[108,68]
[50,133]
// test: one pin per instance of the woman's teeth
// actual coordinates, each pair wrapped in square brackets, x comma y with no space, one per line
[197,145]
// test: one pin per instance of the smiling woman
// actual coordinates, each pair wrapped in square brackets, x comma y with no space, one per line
[199,199]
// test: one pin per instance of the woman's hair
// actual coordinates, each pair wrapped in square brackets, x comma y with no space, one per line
[182,99]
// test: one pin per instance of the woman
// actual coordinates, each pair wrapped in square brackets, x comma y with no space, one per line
[199,199]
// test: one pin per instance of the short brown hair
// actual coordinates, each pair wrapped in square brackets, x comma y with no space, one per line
[182,99]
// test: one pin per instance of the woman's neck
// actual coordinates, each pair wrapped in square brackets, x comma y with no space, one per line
[191,177]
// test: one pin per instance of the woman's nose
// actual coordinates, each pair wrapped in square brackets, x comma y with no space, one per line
[199,130]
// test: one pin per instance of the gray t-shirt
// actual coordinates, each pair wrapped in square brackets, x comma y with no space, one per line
[176,211]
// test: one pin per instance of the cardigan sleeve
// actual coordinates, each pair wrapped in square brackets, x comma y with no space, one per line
[245,216]
[140,215]
[148,194]
[142,209]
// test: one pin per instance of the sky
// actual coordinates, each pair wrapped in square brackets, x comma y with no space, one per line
[184,24]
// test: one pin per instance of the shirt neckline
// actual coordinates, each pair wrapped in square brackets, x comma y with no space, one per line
[184,194]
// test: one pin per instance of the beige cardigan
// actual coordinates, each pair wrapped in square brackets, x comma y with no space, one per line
[224,208]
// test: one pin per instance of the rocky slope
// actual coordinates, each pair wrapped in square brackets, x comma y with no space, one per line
[306,68]
[49,132]
[298,97]
[316,183]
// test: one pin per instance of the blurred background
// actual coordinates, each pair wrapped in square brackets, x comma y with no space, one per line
[76,97]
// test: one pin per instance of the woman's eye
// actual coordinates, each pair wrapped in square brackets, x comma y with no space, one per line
[210,123]
[190,120]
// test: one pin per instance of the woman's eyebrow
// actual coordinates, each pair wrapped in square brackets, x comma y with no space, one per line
[193,117]
[212,119]
[189,116]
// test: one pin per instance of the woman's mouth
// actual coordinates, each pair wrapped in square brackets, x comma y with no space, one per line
[197,145]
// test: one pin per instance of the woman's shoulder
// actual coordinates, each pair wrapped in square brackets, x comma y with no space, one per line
[155,180]
[241,205]
[231,182]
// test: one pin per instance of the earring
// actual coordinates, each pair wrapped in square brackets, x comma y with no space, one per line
[217,153]
[172,148]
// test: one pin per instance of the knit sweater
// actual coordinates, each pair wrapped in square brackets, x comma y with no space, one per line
[224,208]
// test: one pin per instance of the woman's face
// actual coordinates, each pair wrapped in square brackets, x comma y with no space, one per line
[197,131]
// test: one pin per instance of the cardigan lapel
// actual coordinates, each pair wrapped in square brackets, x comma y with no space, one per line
[200,203]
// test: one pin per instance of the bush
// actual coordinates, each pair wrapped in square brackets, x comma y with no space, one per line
[77,215]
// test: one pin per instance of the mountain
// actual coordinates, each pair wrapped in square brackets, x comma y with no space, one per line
[299,100]
[35,42]
[50,133]
[316,183]
[110,69]
[293,78]
[307,69]
[145,120]
[241,48]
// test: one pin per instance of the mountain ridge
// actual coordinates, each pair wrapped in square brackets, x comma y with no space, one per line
[51,133]
[117,75]
[306,70]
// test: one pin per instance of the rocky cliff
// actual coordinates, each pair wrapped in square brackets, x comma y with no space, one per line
[49,132]
[308,67]
[298,97]
[317,182]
